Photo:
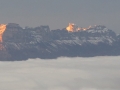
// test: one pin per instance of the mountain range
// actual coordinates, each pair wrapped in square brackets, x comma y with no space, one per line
[19,43]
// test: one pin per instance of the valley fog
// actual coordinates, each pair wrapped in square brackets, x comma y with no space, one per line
[94,73]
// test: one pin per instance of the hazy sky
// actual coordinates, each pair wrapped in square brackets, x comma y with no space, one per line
[58,13]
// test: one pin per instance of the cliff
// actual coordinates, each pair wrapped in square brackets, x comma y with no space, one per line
[19,43]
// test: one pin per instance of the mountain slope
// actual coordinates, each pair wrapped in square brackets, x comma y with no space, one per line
[41,42]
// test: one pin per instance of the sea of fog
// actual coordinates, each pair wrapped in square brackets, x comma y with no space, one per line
[96,73]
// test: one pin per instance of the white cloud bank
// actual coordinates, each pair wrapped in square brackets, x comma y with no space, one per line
[97,73]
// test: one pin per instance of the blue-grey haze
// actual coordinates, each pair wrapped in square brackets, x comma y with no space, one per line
[57,13]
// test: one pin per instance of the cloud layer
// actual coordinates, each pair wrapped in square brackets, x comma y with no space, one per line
[97,73]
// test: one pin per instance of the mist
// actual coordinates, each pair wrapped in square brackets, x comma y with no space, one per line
[97,73]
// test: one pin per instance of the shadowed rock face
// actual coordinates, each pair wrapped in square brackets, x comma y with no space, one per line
[41,42]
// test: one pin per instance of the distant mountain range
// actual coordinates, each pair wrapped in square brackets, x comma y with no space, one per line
[40,42]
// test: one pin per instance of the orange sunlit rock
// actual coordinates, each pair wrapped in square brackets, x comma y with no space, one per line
[2,29]
[70,27]
[73,28]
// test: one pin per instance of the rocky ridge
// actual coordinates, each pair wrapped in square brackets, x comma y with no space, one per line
[41,42]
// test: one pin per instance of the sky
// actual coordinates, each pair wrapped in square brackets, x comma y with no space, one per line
[58,13]
[96,73]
